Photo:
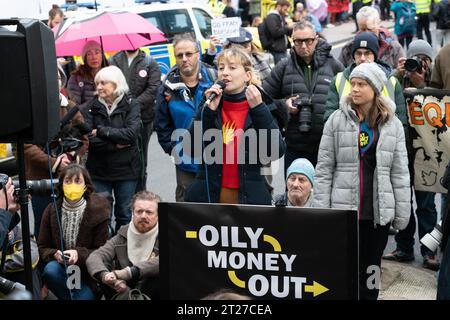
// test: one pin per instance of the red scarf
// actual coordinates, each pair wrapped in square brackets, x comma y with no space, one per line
[233,121]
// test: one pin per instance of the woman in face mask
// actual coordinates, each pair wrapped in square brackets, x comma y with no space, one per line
[69,234]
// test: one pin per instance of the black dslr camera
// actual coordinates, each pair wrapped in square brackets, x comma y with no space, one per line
[413,64]
[304,104]
[36,187]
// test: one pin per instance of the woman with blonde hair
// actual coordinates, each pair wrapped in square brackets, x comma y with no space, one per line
[363,166]
[236,110]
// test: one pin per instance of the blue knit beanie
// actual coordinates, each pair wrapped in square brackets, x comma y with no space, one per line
[302,166]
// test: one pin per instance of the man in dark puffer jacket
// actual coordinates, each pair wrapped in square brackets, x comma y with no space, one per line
[307,74]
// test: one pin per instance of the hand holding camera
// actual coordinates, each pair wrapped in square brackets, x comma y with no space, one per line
[290,105]
[7,197]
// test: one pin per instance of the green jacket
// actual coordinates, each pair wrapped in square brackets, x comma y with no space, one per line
[333,98]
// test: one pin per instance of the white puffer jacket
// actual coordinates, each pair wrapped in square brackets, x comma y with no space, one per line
[337,171]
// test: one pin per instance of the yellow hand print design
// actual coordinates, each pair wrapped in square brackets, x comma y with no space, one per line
[228,131]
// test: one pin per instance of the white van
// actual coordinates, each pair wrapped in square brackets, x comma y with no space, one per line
[173,19]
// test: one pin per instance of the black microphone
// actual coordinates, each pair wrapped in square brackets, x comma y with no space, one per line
[213,95]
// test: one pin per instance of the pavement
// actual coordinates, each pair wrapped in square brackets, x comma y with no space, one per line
[341,34]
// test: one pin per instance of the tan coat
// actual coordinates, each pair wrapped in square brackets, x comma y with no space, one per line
[113,256]
[440,76]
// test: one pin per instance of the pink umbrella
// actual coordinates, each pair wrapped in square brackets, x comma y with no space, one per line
[114,30]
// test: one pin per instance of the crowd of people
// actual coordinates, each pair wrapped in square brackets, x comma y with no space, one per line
[341,125]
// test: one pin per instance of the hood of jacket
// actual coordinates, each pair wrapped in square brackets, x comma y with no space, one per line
[173,80]
[350,113]
[385,35]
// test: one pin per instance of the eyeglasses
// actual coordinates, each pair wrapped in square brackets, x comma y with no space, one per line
[366,53]
[187,54]
[308,41]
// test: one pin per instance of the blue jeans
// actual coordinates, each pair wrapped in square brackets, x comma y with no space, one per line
[123,193]
[426,220]
[443,289]
[55,277]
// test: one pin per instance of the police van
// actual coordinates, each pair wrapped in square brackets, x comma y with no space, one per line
[173,19]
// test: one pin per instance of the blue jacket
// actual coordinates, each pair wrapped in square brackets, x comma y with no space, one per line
[252,186]
[176,110]
[405,13]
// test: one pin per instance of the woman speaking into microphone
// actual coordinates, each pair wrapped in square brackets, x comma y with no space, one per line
[246,132]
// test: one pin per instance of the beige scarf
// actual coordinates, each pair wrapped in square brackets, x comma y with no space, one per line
[140,245]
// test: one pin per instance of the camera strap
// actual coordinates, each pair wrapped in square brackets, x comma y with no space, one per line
[69,116]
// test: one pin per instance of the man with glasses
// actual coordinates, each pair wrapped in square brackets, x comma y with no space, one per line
[365,49]
[390,52]
[177,102]
[302,81]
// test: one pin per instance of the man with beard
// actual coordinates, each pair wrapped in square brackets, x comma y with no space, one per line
[130,260]
[299,182]
[177,102]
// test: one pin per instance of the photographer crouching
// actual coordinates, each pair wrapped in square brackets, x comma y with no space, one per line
[39,164]
[8,208]
[8,220]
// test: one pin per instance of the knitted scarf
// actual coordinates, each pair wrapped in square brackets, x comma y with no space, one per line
[72,214]
[140,245]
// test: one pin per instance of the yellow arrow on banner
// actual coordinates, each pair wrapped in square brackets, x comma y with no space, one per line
[316,289]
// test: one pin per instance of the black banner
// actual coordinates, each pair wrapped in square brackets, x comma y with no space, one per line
[258,251]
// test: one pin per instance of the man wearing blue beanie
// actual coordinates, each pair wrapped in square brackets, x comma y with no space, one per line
[300,183]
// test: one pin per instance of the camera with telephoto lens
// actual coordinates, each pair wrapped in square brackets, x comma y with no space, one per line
[13,290]
[433,239]
[41,187]
[413,64]
[304,104]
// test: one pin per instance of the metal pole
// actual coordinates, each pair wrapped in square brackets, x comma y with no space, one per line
[23,201]
[95,2]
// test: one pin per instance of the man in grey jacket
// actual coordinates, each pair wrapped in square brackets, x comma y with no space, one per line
[131,258]
[144,78]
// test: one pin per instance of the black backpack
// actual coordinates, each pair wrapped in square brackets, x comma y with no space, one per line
[264,37]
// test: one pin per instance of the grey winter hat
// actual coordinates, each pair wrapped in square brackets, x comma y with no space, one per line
[372,73]
[420,47]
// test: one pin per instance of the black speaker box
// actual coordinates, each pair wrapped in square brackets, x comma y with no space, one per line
[29,93]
